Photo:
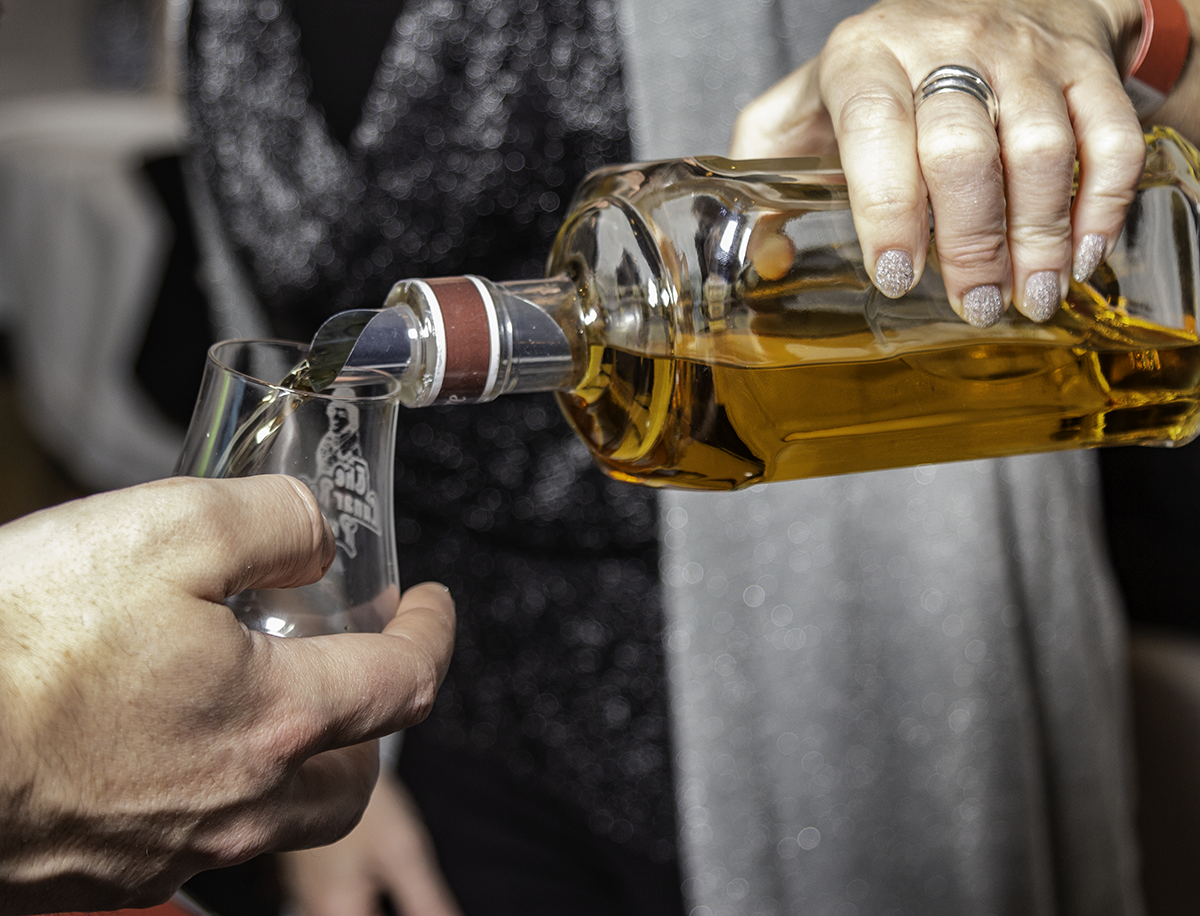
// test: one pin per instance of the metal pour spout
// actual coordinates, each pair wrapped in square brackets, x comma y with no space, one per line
[383,340]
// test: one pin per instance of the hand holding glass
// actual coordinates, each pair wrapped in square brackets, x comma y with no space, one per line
[340,443]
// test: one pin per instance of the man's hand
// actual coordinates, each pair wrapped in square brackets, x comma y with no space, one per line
[146,735]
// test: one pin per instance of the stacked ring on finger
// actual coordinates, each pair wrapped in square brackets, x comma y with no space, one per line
[957,78]
[983,303]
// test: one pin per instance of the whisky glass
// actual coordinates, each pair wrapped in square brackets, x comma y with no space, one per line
[249,419]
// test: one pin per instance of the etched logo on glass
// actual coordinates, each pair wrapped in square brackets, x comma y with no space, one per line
[343,484]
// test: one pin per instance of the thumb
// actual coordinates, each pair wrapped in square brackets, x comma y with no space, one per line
[789,119]
[339,690]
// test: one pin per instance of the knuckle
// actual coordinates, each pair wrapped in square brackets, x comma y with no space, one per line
[280,747]
[1114,199]
[161,516]
[974,252]
[307,507]
[883,205]
[1121,144]
[881,26]
[423,691]
[213,518]
[425,676]
[851,32]
[248,837]
[296,489]
[268,749]
[423,699]
[1042,236]
[747,120]
[191,505]
[1046,149]
[1116,157]
[866,111]
[957,151]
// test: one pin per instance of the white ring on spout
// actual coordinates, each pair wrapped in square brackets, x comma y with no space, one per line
[489,305]
[439,339]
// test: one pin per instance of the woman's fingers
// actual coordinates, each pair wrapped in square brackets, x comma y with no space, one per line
[869,97]
[1038,149]
[1112,154]
[413,874]
[960,161]
[1009,225]
[389,852]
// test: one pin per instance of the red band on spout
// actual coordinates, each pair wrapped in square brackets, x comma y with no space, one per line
[468,338]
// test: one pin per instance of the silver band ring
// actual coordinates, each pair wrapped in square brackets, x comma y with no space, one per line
[955,78]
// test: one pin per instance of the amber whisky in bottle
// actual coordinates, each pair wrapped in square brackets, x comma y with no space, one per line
[709,324]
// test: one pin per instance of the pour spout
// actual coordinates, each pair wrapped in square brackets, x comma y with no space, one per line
[376,339]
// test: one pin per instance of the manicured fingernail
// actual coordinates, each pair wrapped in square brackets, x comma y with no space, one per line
[1042,295]
[1088,257]
[983,306]
[894,273]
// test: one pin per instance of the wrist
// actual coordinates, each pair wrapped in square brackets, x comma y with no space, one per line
[1158,59]
[1123,22]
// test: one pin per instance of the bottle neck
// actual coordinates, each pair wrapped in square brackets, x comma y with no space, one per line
[542,346]
[470,340]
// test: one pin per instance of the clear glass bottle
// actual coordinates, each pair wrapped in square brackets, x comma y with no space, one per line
[710,324]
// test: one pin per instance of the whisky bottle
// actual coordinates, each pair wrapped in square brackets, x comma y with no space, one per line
[710,324]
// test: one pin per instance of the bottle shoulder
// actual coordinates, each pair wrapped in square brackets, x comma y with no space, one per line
[809,181]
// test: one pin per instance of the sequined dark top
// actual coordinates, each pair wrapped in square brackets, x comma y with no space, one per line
[482,117]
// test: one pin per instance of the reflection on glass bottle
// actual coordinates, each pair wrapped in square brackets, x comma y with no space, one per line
[710,324]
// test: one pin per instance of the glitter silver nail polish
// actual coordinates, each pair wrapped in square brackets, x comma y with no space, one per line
[983,306]
[1088,256]
[894,273]
[1043,295]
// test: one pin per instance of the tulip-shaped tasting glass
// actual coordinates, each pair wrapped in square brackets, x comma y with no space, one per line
[340,443]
